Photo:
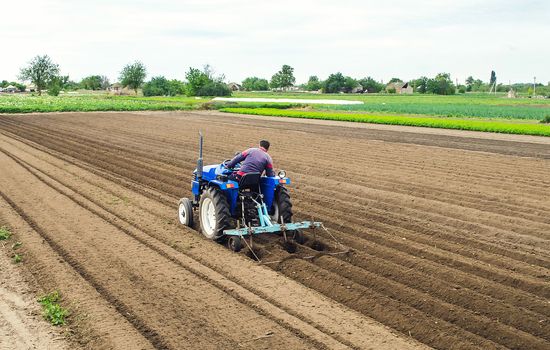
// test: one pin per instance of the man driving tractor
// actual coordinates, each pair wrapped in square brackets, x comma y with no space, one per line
[254,160]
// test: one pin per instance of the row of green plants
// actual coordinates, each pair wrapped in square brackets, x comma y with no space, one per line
[446,123]
[88,103]
[451,110]
[51,307]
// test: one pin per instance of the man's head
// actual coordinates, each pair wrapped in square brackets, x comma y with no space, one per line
[264,144]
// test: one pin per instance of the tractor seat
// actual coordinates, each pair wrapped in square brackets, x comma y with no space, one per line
[250,181]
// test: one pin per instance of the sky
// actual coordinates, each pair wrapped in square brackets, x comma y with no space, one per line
[241,38]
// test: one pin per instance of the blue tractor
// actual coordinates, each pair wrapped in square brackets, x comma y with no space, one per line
[231,211]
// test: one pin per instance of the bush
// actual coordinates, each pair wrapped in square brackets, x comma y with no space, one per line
[54,87]
[255,84]
[391,90]
[461,90]
[546,120]
[160,86]
[214,88]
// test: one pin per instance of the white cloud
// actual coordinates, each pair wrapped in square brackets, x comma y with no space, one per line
[243,37]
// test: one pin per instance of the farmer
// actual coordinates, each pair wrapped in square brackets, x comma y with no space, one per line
[254,160]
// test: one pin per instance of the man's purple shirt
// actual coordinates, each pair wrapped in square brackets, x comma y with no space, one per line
[254,160]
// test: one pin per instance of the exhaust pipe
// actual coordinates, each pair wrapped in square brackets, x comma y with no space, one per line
[199,161]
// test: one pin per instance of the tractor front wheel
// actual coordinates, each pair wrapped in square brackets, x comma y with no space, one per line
[214,213]
[185,212]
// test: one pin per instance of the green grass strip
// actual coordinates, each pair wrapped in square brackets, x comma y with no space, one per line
[444,123]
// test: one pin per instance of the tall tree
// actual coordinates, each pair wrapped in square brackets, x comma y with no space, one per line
[40,71]
[196,79]
[441,85]
[95,82]
[284,78]
[255,84]
[133,75]
[420,85]
[370,85]
[493,78]
[493,82]
[313,83]
[469,83]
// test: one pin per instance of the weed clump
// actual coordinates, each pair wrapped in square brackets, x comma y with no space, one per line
[546,120]
[53,312]
[17,258]
[4,233]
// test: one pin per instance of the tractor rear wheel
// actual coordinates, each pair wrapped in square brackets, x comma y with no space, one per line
[283,209]
[214,213]
[282,206]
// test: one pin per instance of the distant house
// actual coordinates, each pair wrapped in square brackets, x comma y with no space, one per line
[400,87]
[115,89]
[357,90]
[234,87]
[30,88]
[11,89]
[512,94]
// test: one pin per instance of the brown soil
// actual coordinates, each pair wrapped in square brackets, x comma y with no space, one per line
[22,326]
[449,233]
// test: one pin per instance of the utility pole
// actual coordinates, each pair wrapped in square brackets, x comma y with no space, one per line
[534,86]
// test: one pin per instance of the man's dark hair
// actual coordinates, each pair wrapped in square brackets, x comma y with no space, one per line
[264,144]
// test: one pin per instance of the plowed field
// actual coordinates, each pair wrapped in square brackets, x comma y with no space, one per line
[449,234]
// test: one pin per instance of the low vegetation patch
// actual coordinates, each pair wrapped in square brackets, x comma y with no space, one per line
[17,258]
[4,233]
[89,103]
[546,120]
[446,123]
[53,312]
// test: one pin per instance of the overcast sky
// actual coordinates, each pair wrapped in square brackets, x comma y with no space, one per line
[240,38]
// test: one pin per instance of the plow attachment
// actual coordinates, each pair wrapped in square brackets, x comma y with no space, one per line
[272,228]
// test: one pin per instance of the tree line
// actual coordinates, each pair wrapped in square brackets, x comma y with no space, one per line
[44,74]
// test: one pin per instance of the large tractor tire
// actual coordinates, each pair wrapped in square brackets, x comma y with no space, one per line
[282,206]
[214,213]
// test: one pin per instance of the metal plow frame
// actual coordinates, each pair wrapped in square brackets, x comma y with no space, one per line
[266,226]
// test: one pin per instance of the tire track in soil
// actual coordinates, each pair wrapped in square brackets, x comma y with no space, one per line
[163,159]
[122,309]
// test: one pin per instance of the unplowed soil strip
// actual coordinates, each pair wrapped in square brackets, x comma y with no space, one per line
[450,234]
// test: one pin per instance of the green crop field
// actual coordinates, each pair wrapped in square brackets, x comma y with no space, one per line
[447,123]
[481,112]
[465,106]
[93,102]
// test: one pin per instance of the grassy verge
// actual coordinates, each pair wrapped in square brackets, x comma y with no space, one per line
[445,123]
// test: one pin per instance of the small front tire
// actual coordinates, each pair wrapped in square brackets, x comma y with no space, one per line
[185,212]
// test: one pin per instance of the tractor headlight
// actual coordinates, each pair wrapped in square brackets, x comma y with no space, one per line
[282,173]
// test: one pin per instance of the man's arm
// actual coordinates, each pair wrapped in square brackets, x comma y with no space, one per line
[269,168]
[237,159]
